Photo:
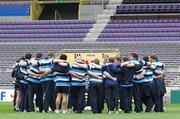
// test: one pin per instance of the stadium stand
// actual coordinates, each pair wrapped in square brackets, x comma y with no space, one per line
[168,52]
[171,78]
[5,80]
[143,8]
[132,22]
[44,31]
[141,30]
[143,35]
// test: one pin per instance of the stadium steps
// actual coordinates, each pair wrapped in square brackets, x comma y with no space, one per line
[115,2]
[111,6]
[101,21]
[108,11]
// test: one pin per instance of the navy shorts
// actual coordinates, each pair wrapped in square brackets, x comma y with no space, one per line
[17,86]
[63,89]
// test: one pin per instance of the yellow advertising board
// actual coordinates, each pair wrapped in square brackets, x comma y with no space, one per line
[89,55]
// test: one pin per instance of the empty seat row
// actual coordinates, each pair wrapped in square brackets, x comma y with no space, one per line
[144,11]
[49,22]
[127,35]
[145,6]
[45,31]
[156,30]
[134,9]
[70,31]
[133,39]
[15,36]
[144,25]
[75,26]
[34,40]
[145,21]
[167,52]
[140,30]
[42,31]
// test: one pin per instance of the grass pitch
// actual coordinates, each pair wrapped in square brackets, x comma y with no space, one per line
[173,112]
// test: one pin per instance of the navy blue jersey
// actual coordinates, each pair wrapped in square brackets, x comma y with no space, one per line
[17,74]
[116,68]
[108,69]
[127,75]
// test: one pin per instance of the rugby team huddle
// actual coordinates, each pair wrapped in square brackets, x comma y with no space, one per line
[59,85]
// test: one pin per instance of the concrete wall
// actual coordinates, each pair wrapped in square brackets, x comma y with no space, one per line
[89,12]
[173,68]
[14,18]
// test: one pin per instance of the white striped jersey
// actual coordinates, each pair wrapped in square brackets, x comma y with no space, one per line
[93,69]
[79,71]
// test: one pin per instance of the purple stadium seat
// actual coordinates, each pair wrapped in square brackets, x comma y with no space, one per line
[145,8]
[44,31]
[141,30]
